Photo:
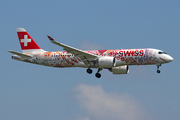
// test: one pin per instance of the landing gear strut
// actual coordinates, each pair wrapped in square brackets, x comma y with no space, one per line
[98,75]
[158,71]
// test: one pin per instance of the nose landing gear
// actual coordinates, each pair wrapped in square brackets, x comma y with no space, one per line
[158,71]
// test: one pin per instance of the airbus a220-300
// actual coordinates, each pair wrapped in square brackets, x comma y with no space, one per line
[116,61]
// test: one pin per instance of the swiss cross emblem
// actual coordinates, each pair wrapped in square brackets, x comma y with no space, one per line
[25,40]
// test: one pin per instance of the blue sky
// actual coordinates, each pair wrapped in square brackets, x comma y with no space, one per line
[36,92]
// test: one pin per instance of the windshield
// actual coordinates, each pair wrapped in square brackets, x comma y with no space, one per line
[162,52]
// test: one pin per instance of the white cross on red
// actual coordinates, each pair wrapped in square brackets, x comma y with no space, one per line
[25,40]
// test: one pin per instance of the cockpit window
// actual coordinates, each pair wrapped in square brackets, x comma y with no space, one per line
[162,53]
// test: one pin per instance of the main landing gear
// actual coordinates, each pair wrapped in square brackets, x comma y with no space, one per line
[158,71]
[89,71]
[98,75]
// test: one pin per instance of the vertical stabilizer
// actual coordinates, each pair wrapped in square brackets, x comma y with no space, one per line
[28,45]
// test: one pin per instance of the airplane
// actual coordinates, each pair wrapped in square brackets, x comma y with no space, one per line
[116,61]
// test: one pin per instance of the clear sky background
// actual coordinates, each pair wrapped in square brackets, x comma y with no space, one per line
[33,92]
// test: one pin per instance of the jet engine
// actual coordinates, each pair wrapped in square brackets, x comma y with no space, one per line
[120,70]
[106,62]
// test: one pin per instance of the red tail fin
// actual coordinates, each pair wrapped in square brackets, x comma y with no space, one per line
[28,45]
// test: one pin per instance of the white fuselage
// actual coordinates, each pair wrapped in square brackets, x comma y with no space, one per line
[122,56]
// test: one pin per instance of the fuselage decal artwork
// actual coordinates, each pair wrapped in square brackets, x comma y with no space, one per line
[129,57]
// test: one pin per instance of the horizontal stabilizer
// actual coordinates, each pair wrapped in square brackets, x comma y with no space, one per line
[20,54]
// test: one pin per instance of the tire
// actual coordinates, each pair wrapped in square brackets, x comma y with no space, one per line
[98,75]
[158,71]
[89,71]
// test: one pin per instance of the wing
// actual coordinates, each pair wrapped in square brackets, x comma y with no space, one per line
[20,54]
[84,56]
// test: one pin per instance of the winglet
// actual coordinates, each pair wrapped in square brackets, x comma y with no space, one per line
[50,38]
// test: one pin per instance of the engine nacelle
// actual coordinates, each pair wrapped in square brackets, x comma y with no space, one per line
[120,70]
[106,62]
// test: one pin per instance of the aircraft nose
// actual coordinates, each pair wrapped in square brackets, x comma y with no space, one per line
[169,58]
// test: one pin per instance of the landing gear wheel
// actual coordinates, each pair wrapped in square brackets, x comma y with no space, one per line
[98,75]
[89,71]
[158,71]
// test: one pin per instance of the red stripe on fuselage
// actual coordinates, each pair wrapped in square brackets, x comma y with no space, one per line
[163,60]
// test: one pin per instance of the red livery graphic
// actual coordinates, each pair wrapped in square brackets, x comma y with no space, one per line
[26,41]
